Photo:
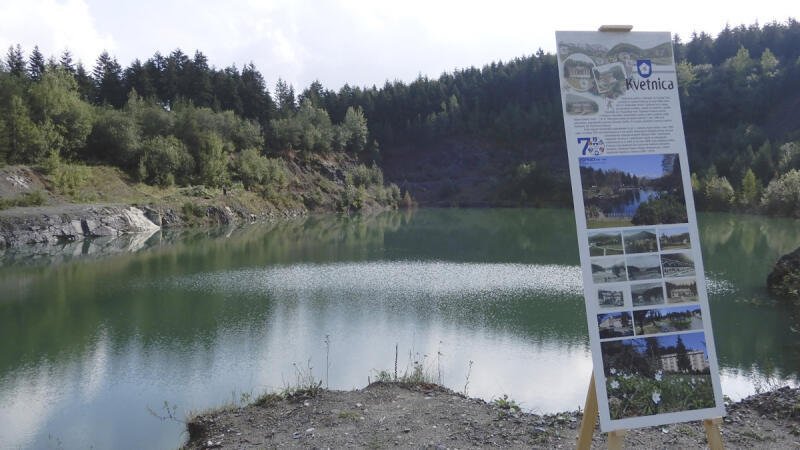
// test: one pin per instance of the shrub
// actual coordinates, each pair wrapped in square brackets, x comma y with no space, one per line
[660,210]
[718,193]
[69,178]
[35,198]
[115,139]
[258,171]
[363,176]
[211,160]
[782,195]
[164,161]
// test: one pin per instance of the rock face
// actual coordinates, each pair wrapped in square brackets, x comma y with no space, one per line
[72,223]
[784,280]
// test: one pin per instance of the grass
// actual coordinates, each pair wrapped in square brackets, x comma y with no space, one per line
[349,415]
[35,198]
[635,395]
[267,399]
[419,371]
[608,223]
[506,404]
[305,386]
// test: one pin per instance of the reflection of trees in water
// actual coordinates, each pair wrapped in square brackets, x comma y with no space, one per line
[753,331]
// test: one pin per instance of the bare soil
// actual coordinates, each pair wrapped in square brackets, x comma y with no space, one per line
[387,415]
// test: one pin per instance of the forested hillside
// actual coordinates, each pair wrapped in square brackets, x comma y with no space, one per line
[490,135]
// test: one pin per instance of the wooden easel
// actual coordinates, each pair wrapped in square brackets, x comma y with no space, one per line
[617,437]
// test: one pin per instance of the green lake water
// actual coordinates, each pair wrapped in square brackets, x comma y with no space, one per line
[96,337]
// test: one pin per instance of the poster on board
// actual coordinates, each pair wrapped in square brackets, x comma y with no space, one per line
[646,302]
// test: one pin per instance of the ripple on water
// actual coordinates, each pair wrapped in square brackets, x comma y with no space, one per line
[401,278]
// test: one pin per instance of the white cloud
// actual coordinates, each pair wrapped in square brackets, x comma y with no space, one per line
[360,42]
[54,26]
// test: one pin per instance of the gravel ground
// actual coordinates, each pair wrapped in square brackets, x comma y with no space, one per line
[387,415]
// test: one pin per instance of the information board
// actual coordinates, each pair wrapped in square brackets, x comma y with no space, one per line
[646,301]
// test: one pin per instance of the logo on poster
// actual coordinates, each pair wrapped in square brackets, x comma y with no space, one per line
[644,67]
[592,146]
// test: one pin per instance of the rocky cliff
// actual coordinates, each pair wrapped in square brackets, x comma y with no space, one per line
[69,223]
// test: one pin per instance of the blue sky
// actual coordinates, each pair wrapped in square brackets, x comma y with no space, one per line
[679,309]
[648,166]
[692,341]
[361,42]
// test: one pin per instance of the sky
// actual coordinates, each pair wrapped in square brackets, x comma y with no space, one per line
[359,42]
[648,166]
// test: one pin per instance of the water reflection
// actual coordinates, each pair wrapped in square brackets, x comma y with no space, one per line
[628,202]
[191,317]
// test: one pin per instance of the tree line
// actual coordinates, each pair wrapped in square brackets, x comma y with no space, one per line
[736,91]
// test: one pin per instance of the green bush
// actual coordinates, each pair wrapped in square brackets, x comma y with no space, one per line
[309,129]
[667,209]
[115,139]
[69,178]
[782,195]
[363,176]
[257,171]
[192,210]
[211,160]
[35,198]
[165,160]
[718,193]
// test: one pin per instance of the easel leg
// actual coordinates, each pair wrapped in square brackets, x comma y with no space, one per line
[589,417]
[616,439]
[712,433]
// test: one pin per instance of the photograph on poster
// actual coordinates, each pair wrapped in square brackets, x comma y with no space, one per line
[600,71]
[611,297]
[640,241]
[608,270]
[674,238]
[578,105]
[646,294]
[682,291]
[610,79]
[603,243]
[677,265]
[667,320]
[643,267]
[617,324]
[656,375]
[628,190]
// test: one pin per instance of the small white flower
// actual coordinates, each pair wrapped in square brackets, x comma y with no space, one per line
[613,371]
[614,384]
[656,397]
[658,375]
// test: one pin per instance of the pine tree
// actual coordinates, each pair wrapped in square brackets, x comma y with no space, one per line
[15,61]
[85,83]
[284,96]
[66,63]
[36,64]
[256,101]
[197,79]
[684,365]
[107,76]
[751,188]
[137,78]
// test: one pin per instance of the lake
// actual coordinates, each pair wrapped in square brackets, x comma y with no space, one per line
[489,301]
[630,200]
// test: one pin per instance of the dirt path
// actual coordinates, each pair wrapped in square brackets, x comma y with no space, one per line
[388,415]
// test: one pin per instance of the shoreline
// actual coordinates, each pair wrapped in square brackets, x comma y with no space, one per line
[395,414]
